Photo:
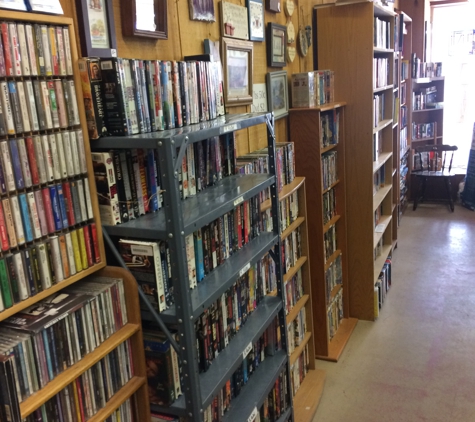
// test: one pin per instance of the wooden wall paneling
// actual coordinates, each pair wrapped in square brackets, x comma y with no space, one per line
[357,90]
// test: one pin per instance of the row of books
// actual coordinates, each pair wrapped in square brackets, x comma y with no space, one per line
[333,277]
[378,109]
[37,160]
[311,89]
[378,250]
[422,69]
[403,139]
[424,98]
[403,89]
[29,216]
[335,314]
[330,242]
[405,70]
[55,333]
[403,111]
[382,33]
[163,371]
[29,106]
[382,286]
[277,401]
[296,331]
[35,268]
[377,215]
[381,72]
[379,178]
[291,250]
[258,162]
[34,50]
[329,169]
[329,206]
[329,128]
[91,391]
[377,144]
[288,213]
[293,291]
[423,130]
[299,370]
[129,96]
[217,325]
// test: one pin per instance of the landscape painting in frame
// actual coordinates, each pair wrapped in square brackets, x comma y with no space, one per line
[202,10]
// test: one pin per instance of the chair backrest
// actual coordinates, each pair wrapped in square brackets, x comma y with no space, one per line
[440,151]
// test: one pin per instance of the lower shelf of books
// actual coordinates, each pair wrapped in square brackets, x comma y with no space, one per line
[121,396]
[339,340]
[308,397]
[64,378]
[380,260]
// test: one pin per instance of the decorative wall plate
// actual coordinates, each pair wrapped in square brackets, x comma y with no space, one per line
[290,33]
[289,7]
[291,53]
[303,42]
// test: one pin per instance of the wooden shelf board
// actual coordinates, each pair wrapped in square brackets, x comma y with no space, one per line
[331,259]
[394,172]
[322,107]
[383,157]
[118,398]
[381,125]
[428,80]
[330,187]
[428,109]
[53,289]
[395,124]
[382,88]
[292,228]
[327,148]
[379,196]
[308,395]
[332,222]
[334,292]
[382,50]
[65,378]
[287,190]
[422,139]
[380,10]
[385,220]
[296,309]
[380,260]
[299,349]
[340,339]
[293,270]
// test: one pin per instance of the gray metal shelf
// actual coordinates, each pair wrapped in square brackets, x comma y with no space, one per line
[285,416]
[258,387]
[229,359]
[195,133]
[198,210]
[223,277]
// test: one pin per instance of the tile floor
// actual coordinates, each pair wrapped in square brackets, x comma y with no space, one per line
[417,362]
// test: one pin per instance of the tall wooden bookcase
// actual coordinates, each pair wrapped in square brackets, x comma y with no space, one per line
[305,130]
[345,37]
[308,396]
[137,385]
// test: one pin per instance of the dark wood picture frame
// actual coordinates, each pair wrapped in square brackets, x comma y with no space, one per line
[87,47]
[256,19]
[276,44]
[129,20]
[278,93]
[273,6]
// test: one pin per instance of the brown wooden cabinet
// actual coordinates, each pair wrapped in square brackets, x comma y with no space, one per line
[330,301]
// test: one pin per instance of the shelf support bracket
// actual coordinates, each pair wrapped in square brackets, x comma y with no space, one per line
[181,154]
[142,296]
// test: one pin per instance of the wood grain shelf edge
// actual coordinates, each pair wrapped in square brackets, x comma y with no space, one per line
[296,309]
[287,190]
[293,270]
[308,396]
[340,339]
[69,375]
[299,349]
[332,222]
[292,228]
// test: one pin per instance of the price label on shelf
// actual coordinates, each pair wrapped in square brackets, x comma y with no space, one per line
[230,128]
[244,269]
[252,417]
[379,228]
[238,201]
[247,350]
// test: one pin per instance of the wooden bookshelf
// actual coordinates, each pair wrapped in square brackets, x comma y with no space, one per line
[305,404]
[305,130]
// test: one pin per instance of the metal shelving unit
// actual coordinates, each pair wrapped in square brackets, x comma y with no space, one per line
[173,223]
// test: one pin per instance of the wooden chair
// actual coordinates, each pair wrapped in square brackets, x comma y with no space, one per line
[429,170]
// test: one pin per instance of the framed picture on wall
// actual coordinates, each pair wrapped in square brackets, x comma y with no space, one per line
[13,4]
[255,10]
[277,93]
[276,43]
[202,10]
[96,28]
[145,18]
[237,65]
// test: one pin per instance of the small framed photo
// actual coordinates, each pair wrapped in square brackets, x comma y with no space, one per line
[278,93]
[255,9]
[276,43]
[96,28]
[145,18]
[273,6]
[202,10]
[13,5]
[237,64]
[234,20]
